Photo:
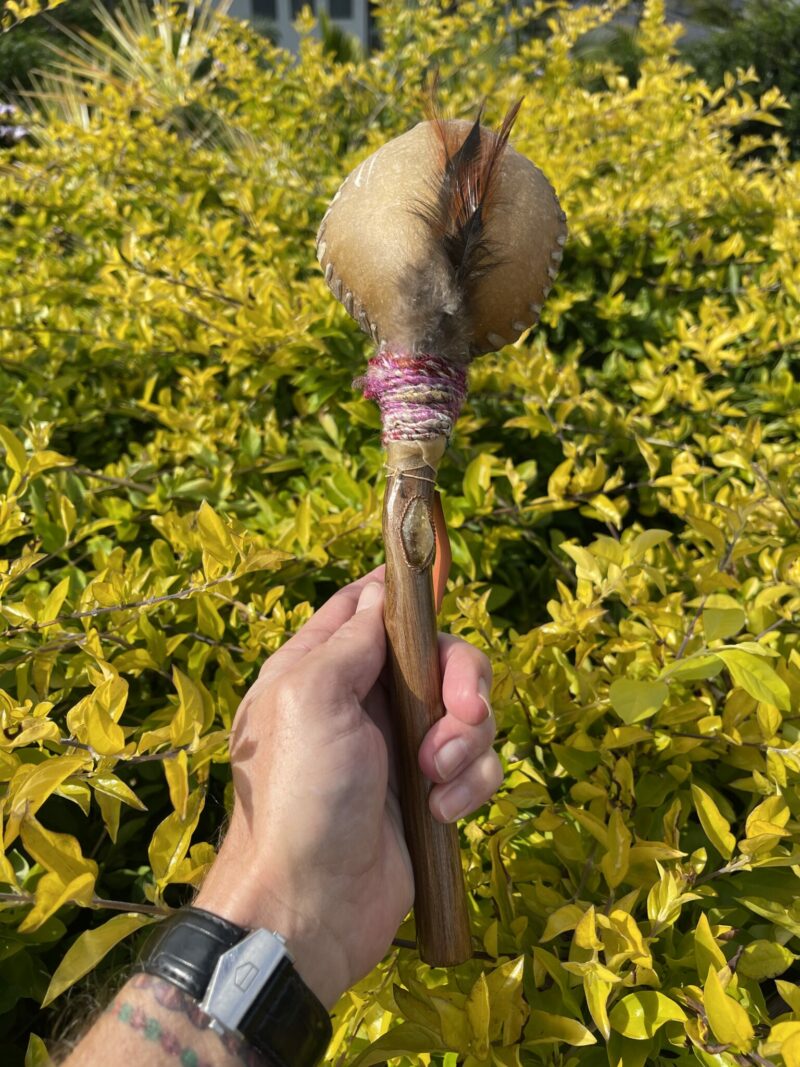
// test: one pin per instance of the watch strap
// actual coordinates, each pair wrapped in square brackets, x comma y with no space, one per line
[184,948]
[287,1024]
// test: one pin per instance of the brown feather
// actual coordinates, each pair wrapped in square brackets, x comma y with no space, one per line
[457,214]
[468,182]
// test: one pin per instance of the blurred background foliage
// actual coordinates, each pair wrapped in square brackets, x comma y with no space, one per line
[185,472]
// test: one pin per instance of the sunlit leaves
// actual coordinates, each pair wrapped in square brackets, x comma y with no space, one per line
[186,472]
[727,1018]
[640,1015]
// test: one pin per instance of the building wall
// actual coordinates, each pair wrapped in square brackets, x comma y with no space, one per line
[350,15]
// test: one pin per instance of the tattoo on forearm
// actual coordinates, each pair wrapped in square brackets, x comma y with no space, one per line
[172,999]
[152,1029]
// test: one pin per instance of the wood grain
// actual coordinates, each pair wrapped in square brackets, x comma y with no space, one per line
[440,907]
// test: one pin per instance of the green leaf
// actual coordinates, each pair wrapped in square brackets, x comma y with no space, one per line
[16,456]
[477,1010]
[561,920]
[215,538]
[764,959]
[634,701]
[506,998]
[544,1027]
[706,950]
[36,1054]
[407,1039]
[639,1015]
[89,948]
[478,478]
[692,669]
[721,623]
[756,677]
[597,991]
[716,826]
[774,910]
[616,858]
[727,1018]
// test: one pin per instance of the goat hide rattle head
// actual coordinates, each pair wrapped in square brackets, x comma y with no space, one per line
[445,241]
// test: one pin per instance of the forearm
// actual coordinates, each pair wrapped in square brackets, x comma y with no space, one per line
[151,1021]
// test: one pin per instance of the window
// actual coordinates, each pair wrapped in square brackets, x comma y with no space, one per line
[265,9]
[340,9]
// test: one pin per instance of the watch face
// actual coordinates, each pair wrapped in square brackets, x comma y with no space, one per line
[240,975]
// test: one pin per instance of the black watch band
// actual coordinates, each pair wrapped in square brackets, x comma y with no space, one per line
[286,1023]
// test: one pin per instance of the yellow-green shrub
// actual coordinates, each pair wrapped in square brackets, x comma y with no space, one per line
[187,472]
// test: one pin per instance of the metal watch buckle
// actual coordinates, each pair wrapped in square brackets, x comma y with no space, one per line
[240,975]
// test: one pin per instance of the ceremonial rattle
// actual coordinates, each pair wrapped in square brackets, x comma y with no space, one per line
[442,245]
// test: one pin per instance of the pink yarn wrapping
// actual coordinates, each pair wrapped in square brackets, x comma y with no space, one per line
[420,396]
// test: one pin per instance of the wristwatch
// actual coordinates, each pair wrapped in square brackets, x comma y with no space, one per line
[244,981]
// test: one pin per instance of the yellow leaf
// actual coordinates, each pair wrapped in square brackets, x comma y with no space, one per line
[726,1017]
[59,853]
[707,952]
[717,828]
[171,839]
[544,1028]
[93,720]
[754,675]
[453,1024]
[176,773]
[110,808]
[31,786]
[187,722]
[790,1051]
[634,701]
[88,949]
[561,920]
[110,785]
[16,456]
[477,1009]
[640,1015]
[53,893]
[215,541]
[55,599]
[790,994]
[596,992]
[507,1001]
[586,932]
[764,959]
[720,623]
[36,1054]
[616,859]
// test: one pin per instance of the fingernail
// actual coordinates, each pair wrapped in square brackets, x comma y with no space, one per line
[454,803]
[369,595]
[484,692]
[450,757]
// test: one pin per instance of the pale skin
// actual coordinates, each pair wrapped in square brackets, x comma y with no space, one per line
[315,848]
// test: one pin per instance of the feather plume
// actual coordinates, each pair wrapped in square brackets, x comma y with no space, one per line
[469,170]
[456,215]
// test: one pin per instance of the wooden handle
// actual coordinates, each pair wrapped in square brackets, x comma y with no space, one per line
[440,905]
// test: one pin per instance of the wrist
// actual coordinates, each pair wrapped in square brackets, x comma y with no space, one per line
[318,958]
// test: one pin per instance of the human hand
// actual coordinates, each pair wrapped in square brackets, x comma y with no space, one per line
[315,848]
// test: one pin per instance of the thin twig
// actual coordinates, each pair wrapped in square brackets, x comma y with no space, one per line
[96,902]
[182,594]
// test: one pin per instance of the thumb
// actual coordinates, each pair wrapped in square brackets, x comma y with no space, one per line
[354,655]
